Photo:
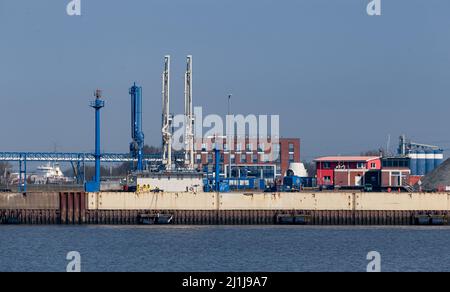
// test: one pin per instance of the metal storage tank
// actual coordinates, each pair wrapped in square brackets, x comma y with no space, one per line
[438,158]
[421,163]
[413,164]
[429,161]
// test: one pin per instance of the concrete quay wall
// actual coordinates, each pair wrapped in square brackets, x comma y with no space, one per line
[271,201]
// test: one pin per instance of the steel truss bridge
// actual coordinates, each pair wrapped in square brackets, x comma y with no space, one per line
[77,160]
[73,157]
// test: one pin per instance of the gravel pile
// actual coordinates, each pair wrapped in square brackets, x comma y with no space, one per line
[439,178]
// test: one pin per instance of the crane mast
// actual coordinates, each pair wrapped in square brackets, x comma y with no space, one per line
[189,116]
[166,118]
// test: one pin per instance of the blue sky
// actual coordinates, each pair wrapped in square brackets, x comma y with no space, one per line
[342,81]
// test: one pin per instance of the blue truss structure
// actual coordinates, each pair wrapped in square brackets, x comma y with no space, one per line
[77,160]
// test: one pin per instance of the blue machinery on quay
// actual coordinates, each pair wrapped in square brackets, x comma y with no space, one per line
[78,160]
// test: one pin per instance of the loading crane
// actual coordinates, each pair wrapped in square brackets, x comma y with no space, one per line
[166,117]
[137,145]
[136,155]
[189,117]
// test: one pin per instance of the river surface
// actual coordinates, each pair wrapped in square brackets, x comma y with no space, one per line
[223,248]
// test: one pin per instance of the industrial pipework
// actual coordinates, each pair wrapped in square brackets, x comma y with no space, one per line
[97,104]
[137,145]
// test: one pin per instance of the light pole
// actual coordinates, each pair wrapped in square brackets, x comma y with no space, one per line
[229,138]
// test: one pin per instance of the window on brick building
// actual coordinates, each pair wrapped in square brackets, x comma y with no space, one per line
[291,147]
[291,157]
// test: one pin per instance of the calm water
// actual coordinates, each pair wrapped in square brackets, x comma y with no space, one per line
[241,248]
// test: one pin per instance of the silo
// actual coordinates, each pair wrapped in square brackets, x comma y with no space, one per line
[438,157]
[421,163]
[429,161]
[413,164]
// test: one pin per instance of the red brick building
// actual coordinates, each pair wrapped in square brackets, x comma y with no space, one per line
[345,171]
[359,171]
[260,158]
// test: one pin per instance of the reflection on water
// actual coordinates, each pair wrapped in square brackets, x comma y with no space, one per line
[223,248]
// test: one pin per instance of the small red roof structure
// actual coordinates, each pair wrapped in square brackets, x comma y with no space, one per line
[346,158]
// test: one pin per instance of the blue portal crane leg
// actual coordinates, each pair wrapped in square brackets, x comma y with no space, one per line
[84,172]
[20,176]
[23,174]
[78,171]
[217,169]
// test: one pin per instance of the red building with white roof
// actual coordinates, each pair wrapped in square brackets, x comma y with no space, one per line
[345,171]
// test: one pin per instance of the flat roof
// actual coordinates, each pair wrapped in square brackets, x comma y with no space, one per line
[346,158]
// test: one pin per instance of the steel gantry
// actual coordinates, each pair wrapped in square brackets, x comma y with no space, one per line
[78,161]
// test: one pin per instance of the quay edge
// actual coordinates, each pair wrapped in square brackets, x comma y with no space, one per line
[314,208]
